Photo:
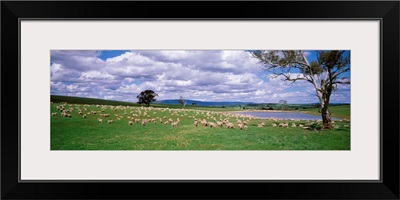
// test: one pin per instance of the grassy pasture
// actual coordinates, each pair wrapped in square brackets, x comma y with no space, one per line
[77,133]
[342,111]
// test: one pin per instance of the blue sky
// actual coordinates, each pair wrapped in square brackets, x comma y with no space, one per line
[205,75]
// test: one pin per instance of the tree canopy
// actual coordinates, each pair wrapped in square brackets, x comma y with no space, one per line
[182,101]
[325,73]
[147,97]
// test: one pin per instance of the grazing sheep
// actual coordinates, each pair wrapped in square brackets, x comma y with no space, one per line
[273,125]
[230,126]
[212,125]
[293,125]
[245,123]
[84,116]
[195,123]
[284,125]
[53,114]
[143,122]
[100,120]
[110,121]
[174,124]
[160,121]
[240,126]
[245,127]
[166,122]
[219,124]
[80,113]
[301,125]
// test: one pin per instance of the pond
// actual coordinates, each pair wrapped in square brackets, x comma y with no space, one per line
[285,115]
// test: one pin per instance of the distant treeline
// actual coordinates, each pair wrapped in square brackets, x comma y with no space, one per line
[277,106]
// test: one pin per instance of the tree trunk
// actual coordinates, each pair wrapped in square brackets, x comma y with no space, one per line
[326,116]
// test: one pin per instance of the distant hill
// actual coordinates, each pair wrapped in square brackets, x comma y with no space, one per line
[83,100]
[202,103]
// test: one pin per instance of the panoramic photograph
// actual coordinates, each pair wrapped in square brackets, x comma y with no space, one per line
[200,99]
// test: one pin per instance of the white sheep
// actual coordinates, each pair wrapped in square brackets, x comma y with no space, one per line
[174,124]
[212,125]
[100,120]
[286,125]
[54,114]
[245,127]
[110,121]
[230,126]
[130,123]
[84,116]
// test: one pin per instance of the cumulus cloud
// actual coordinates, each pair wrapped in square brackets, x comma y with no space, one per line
[197,74]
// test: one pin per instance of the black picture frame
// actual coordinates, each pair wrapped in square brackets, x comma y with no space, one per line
[386,11]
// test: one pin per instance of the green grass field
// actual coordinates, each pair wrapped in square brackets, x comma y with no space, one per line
[336,111]
[78,133]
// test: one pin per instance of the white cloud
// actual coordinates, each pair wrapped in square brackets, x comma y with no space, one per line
[199,75]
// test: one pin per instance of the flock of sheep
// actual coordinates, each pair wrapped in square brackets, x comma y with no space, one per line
[165,116]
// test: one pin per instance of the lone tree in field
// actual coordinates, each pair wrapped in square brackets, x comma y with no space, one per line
[147,97]
[283,104]
[324,74]
[182,102]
